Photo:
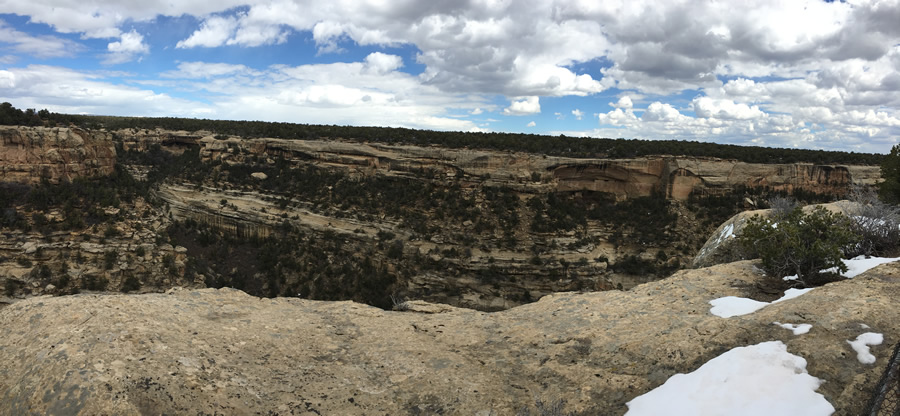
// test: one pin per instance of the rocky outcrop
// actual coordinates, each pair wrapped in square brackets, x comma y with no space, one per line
[676,177]
[98,258]
[518,280]
[223,352]
[29,154]
[721,247]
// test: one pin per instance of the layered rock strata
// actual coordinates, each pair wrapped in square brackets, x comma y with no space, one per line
[30,154]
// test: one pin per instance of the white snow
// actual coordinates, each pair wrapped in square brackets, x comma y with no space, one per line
[762,379]
[797,329]
[790,294]
[729,306]
[856,266]
[861,264]
[861,346]
[728,232]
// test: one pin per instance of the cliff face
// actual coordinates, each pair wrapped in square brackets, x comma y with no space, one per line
[676,177]
[482,269]
[221,351]
[28,154]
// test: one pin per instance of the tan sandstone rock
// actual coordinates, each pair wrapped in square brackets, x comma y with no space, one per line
[221,351]
[28,154]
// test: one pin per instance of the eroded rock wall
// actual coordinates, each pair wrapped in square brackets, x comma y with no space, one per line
[29,154]
[676,177]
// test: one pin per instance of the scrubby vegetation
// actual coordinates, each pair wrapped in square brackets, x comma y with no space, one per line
[550,145]
[808,245]
[82,202]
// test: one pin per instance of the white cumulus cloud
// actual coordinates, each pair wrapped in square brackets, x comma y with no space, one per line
[126,48]
[523,107]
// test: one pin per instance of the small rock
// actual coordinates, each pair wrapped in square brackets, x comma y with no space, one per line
[259,175]
[30,247]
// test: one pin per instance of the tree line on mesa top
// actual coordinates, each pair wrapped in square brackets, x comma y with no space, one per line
[542,144]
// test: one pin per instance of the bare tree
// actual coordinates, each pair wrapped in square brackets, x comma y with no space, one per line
[876,222]
[781,206]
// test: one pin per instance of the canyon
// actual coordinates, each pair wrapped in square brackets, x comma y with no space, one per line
[331,276]
[472,228]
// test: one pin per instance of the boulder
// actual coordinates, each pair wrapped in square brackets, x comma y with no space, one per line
[722,247]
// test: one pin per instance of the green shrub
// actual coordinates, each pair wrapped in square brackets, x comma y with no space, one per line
[11,286]
[109,259]
[97,283]
[635,265]
[799,243]
[131,284]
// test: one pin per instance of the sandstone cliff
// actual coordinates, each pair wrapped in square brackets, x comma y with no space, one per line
[223,352]
[676,177]
[28,154]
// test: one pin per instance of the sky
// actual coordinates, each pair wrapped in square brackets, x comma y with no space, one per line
[800,74]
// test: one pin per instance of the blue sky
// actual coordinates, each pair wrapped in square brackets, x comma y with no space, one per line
[806,74]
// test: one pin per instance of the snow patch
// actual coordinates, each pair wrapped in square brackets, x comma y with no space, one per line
[861,346]
[861,264]
[729,306]
[797,329]
[728,232]
[855,266]
[761,379]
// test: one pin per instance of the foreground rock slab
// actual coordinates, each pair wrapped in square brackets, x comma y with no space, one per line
[224,352]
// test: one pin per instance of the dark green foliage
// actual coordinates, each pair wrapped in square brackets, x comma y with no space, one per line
[799,243]
[647,218]
[96,283]
[291,263]
[111,231]
[63,281]
[889,189]
[43,272]
[11,116]
[81,201]
[550,145]
[10,286]
[635,265]
[109,259]
[131,284]
[24,261]
[395,249]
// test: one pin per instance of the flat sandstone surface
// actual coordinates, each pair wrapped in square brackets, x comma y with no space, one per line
[224,352]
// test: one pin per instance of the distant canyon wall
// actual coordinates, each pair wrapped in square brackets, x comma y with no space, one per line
[676,177]
[29,154]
